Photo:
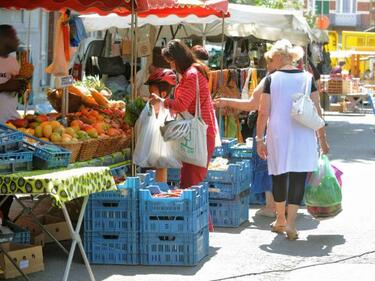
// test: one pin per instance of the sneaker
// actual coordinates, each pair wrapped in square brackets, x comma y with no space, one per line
[266,213]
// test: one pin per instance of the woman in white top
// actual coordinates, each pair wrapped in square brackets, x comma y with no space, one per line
[291,148]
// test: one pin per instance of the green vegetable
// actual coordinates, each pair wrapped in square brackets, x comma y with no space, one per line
[133,110]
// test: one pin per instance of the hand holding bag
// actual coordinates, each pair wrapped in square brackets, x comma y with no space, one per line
[304,110]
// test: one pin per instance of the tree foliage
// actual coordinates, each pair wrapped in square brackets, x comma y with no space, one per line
[275,4]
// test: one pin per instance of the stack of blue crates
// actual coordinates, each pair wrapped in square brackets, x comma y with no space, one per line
[229,194]
[111,225]
[246,151]
[13,156]
[174,230]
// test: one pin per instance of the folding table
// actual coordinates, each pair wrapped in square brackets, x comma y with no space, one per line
[63,186]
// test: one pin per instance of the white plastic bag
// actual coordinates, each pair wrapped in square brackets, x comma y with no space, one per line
[162,154]
[144,131]
[150,149]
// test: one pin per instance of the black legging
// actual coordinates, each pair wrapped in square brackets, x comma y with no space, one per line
[296,188]
[5,208]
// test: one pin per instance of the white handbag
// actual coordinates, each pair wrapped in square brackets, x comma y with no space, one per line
[304,110]
[192,148]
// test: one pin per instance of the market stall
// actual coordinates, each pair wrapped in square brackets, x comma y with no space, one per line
[92,130]
[351,88]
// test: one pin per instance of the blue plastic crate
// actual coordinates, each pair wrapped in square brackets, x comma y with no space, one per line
[226,191]
[16,161]
[174,175]
[257,199]
[177,222]
[21,235]
[241,151]
[236,173]
[230,213]
[190,200]
[112,247]
[10,139]
[120,171]
[112,214]
[114,210]
[182,249]
[146,179]
[224,149]
[48,155]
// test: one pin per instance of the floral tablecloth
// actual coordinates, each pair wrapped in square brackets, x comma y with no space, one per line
[62,185]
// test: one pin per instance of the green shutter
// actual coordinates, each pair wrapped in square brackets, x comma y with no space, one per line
[318,7]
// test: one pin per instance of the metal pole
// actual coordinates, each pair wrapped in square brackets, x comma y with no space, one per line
[222,64]
[133,69]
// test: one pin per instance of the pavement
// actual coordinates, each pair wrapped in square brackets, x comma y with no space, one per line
[338,249]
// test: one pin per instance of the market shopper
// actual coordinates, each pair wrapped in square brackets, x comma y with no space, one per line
[338,69]
[200,52]
[10,87]
[161,83]
[264,183]
[291,148]
[184,62]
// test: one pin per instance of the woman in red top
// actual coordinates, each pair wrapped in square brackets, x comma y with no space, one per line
[185,63]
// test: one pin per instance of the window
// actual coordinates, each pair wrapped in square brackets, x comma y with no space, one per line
[346,6]
[322,7]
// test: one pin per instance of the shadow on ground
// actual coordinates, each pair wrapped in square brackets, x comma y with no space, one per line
[313,246]
[304,222]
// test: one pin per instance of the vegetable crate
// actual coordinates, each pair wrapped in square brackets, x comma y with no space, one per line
[190,200]
[230,213]
[21,235]
[226,184]
[174,249]
[120,171]
[16,161]
[224,149]
[10,139]
[116,211]
[112,247]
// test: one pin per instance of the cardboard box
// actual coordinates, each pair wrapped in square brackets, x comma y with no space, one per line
[29,258]
[336,107]
[55,225]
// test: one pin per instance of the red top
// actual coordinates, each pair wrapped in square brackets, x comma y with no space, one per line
[185,97]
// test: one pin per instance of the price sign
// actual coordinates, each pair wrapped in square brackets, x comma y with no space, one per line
[64,81]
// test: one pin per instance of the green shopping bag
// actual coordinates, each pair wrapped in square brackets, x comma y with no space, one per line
[322,188]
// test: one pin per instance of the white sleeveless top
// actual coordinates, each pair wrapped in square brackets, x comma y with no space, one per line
[291,146]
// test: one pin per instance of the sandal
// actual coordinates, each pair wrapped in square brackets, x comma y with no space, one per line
[291,234]
[280,229]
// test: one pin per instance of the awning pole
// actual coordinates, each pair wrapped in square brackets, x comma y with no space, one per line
[222,64]
[132,72]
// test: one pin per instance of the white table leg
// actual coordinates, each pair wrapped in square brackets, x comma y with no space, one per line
[76,239]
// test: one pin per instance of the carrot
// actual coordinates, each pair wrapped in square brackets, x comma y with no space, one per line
[79,91]
[90,101]
[99,98]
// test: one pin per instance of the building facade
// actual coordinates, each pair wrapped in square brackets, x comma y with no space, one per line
[346,14]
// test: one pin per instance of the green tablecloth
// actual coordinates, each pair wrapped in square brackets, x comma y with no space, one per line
[62,185]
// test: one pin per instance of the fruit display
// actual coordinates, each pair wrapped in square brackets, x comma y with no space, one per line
[90,92]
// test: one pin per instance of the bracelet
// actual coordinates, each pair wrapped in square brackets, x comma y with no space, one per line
[260,139]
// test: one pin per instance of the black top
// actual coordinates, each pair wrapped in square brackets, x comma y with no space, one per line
[267,83]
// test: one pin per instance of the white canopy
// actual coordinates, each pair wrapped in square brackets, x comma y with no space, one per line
[244,21]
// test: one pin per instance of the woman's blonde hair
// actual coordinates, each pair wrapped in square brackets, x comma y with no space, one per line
[285,48]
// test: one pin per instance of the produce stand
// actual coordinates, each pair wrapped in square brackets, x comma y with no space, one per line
[63,186]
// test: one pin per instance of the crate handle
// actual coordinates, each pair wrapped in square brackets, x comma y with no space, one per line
[214,204]
[167,238]
[110,237]
[111,204]
[166,218]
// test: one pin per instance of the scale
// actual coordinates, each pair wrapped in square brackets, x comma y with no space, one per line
[63,82]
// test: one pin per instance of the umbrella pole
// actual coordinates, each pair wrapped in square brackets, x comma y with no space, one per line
[132,74]
[222,65]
